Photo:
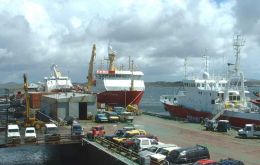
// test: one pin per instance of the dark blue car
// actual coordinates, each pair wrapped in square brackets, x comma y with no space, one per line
[101,117]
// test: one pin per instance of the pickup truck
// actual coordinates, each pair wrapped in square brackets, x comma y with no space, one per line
[13,134]
[95,132]
[30,134]
[51,132]
[144,143]
[250,130]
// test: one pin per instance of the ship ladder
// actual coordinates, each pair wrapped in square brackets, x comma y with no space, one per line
[218,114]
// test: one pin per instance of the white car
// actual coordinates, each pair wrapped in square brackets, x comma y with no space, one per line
[143,143]
[30,134]
[13,134]
[161,155]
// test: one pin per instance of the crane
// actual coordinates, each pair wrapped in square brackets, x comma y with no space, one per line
[90,77]
[30,120]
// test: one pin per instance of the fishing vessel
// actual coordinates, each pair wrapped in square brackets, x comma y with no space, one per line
[214,97]
[116,86]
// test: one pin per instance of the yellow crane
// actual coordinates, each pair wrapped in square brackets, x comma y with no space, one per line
[30,120]
[90,77]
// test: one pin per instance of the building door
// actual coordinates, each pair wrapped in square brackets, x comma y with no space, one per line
[83,110]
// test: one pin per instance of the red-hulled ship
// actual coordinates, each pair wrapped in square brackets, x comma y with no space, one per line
[117,87]
[214,98]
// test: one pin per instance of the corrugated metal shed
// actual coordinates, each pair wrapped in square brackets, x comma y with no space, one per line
[65,105]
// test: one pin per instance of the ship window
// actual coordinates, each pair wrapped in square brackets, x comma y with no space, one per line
[230,98]
[209,94]
[203,85]
[238,98]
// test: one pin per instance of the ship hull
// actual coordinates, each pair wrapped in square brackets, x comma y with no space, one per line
[120,98]
[236,119]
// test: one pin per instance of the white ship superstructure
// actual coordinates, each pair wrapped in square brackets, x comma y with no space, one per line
[56,81]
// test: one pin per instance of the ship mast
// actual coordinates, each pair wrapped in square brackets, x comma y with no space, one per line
[185,67]
[132,79]
[206,61]
[238,42]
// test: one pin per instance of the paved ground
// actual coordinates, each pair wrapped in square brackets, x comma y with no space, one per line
[220,145]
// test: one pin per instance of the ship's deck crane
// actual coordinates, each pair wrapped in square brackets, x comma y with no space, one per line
[90,76]
[30,120]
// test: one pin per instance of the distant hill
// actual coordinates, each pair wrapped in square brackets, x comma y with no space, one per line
[163,84]
[250,82]
[11,85]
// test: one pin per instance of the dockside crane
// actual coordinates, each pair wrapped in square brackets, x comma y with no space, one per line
[90,76]
[30,120]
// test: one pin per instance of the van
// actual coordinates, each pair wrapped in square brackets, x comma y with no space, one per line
[188,155]
[13,134]
[51,132]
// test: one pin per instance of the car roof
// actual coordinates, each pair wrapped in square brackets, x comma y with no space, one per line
[29,128]
[171,148]
[13,126]
[206,161]
[50,125]
[190,148]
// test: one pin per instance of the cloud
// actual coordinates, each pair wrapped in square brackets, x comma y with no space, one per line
[157,34]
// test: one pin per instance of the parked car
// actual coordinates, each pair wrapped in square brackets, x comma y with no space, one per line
[145,155]
[129,134]
[13,134]
[95,132]
[101,117]
[188,155]
[30,134]
[124,116]
[206,162]
[140,144]
[119,133]
[159,157]
[230,162]
[51,132]
[76,130]
[112,116]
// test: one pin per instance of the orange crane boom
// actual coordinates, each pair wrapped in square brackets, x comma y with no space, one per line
[90,76]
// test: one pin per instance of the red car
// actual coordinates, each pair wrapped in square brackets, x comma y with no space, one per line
[96,131]
[206,162]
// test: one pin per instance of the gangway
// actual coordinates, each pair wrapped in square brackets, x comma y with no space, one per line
[218,114]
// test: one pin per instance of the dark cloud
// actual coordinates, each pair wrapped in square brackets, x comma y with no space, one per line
[158,36]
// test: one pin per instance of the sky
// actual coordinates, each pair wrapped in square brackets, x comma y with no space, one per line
[157,34]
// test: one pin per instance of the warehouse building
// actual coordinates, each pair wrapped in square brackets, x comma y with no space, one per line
[63,106]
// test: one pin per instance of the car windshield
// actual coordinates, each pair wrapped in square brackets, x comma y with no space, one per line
[164,152]
[77,128]
[13,130]
[101,115]
[145,142]
[52,129]
[128,135]
[30,131]
[119,132]
[152,149]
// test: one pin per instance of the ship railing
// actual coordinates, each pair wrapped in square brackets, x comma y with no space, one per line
[130,154]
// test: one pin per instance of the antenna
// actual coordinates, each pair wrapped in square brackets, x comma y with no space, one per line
[238,42]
